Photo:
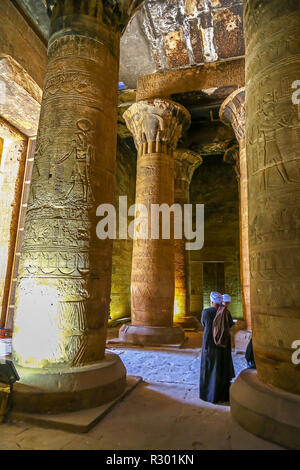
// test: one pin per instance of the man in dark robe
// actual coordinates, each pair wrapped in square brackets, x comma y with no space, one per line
[249,355]
[216,370]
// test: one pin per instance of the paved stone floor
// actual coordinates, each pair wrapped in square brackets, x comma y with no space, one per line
[163,412]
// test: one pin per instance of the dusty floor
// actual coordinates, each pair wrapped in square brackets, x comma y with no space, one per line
[163,412]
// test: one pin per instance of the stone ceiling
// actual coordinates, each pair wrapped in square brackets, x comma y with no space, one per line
[170,34]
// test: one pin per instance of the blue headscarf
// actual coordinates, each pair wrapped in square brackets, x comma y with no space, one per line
[216,297]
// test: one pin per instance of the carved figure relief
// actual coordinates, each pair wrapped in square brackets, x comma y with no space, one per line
[82,150]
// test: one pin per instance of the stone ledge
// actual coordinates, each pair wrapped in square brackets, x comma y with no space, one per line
[77,421]
[69,389]
[20,97]
[266,411]
[210,75]
[171,336]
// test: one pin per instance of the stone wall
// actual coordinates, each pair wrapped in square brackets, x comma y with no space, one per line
[19,41]
[12,158]
[122,250]
[214,185]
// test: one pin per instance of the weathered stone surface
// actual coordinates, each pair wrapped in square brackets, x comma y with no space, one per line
[75,421]
[66,181]
[125,99]
[135,53]
[29,52]
[266,411]
[20,97]
[208,138]
[22,204]
[232,112]
[122,249]
[156,126]
[216,265]
[228,30]
[38,12]
[63,291]
[216,74]
[13,147]
[186,162]
[182,34]
[273,130]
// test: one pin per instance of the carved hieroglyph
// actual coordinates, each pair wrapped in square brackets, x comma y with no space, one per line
[62,298]
[186,161]
[232,112]
[273,153]
[156,126]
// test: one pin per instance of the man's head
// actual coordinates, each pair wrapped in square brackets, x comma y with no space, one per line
[226,299]
[215,299]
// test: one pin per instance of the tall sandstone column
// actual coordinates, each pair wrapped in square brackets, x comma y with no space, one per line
[268,403]
[63,292]
[186,161]
[156,126]
[232,112]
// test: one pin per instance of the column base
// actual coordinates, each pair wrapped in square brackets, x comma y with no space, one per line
[266,411]
[152,335]
[69,389]
[188,323]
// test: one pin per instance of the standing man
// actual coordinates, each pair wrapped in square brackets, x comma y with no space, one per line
[216,370]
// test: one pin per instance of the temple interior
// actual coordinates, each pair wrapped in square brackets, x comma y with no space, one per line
[106,103]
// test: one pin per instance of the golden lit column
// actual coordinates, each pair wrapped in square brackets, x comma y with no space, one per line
[63,291]
[268,403]
[186,161]
[232,112]
[156,126]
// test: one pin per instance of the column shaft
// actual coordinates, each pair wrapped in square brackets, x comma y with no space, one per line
[63,291]
[232,112]
[156,127]
[273,151]
[186,161]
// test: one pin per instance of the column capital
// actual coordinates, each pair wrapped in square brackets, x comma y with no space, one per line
[232,112]
[114,13]
[186,162]
[156,124]
[232,157]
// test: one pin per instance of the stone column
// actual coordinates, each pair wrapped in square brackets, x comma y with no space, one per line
[186,161]
[63,291]
[273,153]
[156,126]
[232,112]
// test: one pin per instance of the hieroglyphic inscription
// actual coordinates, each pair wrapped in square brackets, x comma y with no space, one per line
[273,154]
[156,126]
[62,262]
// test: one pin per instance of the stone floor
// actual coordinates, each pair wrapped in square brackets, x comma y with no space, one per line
[163,412]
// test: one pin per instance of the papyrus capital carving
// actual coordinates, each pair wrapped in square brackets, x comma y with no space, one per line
[186,162]
[156,124]
[232,112]
[114,13]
